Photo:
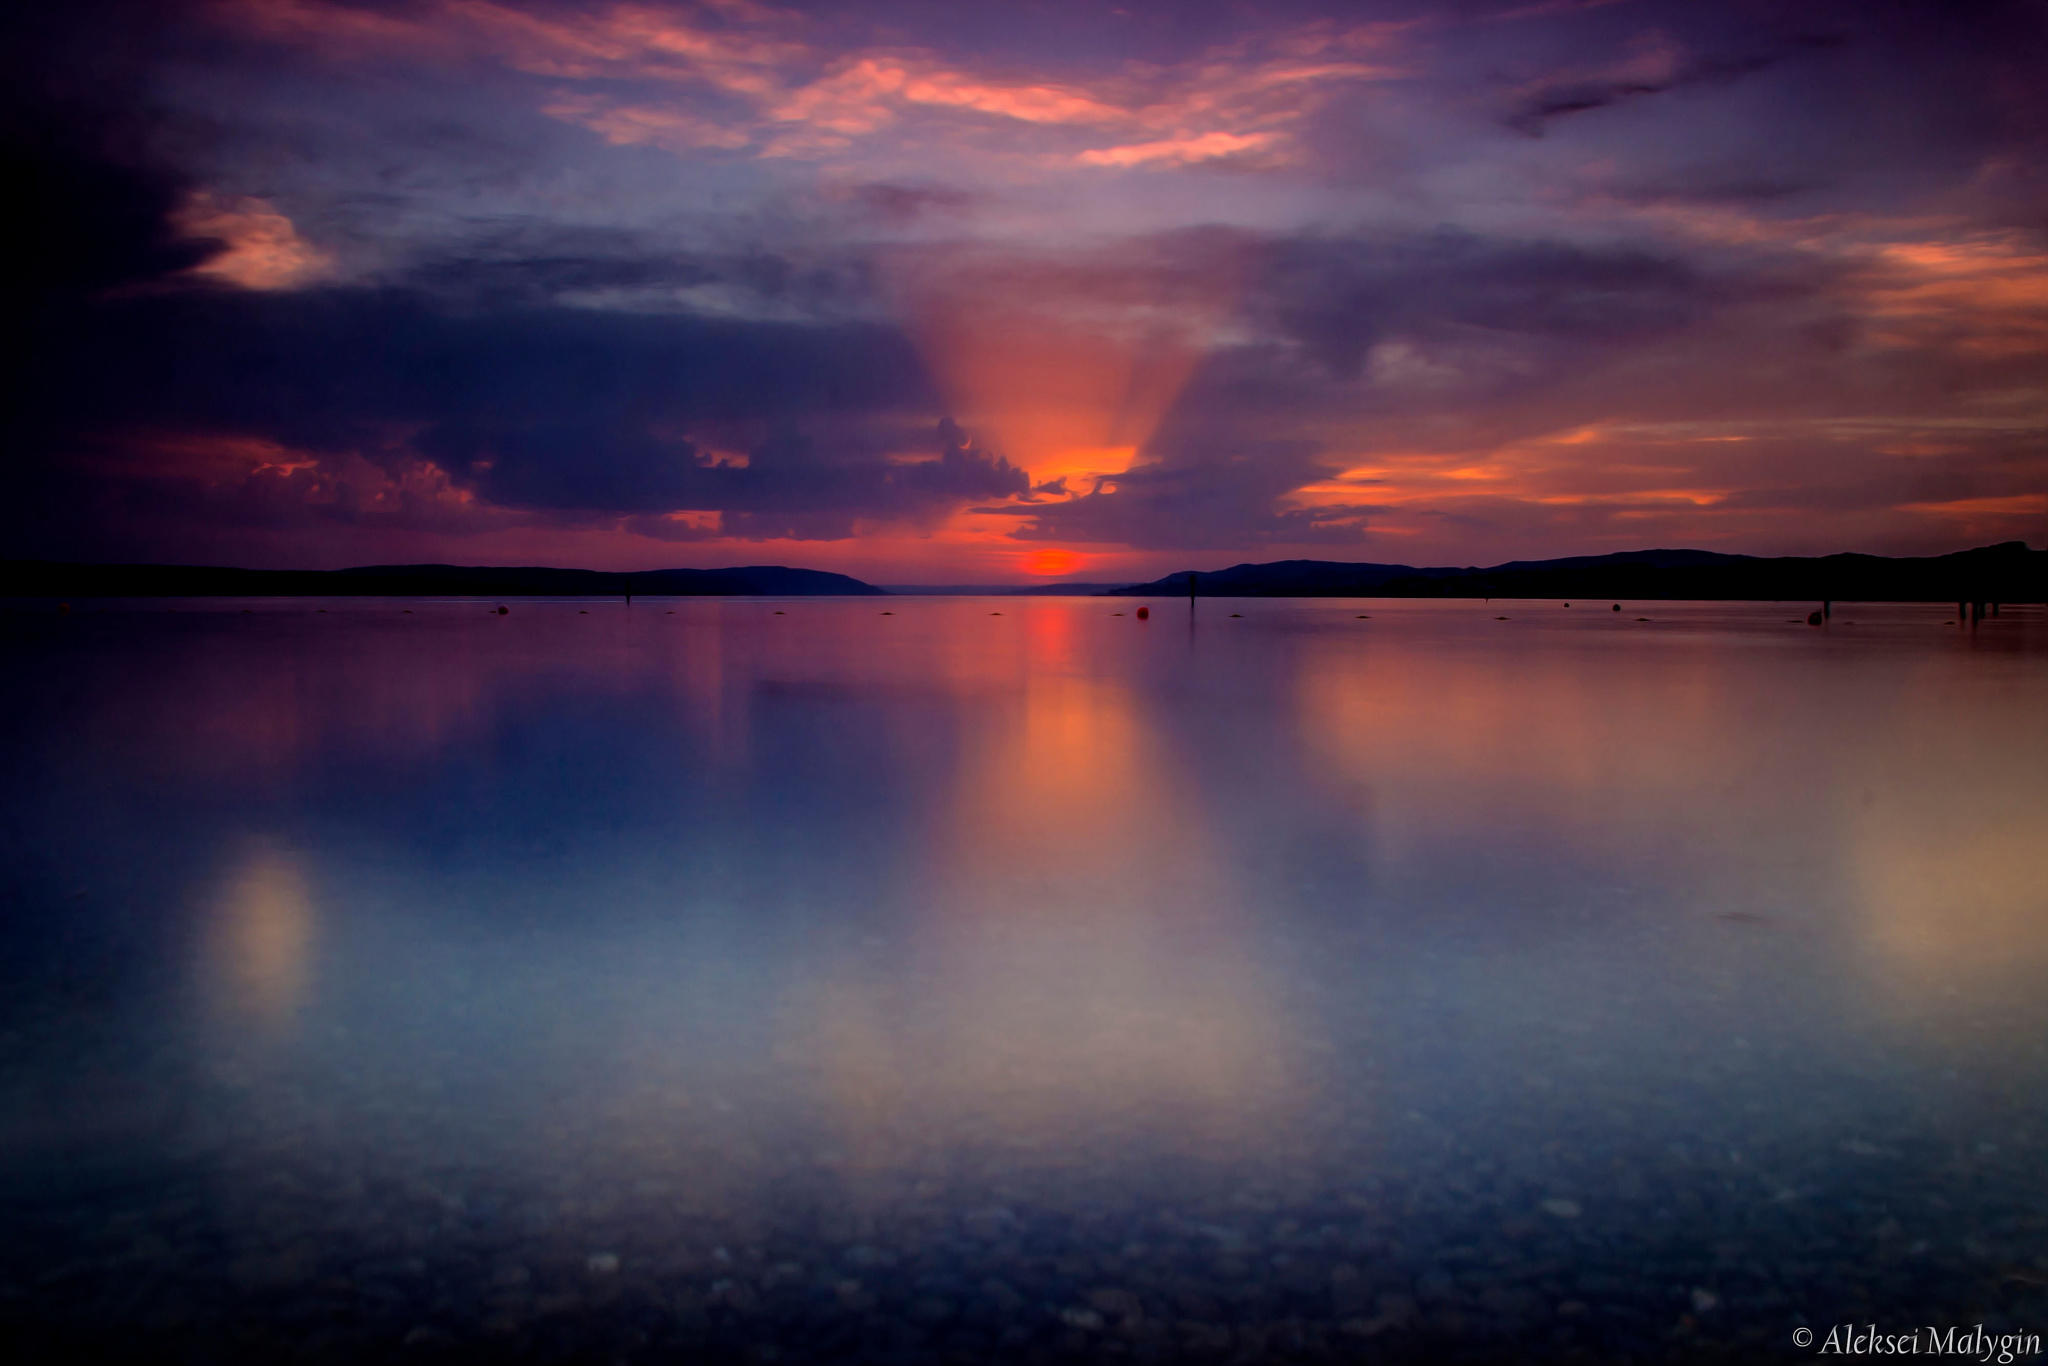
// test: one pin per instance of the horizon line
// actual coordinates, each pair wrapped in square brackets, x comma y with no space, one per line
[937,586]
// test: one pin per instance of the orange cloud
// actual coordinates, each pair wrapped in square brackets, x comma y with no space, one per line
[1924,280]
[1026,103]
[1180,151]
[262,249]
[398,488]
[1985,293]
[1233,101]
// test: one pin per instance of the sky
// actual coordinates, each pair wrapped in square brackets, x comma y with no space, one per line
[928,292]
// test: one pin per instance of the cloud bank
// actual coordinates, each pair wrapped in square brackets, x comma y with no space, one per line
[916,294]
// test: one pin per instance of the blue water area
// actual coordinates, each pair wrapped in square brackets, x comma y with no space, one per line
[953,979]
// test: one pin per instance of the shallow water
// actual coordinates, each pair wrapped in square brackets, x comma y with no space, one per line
[968,979]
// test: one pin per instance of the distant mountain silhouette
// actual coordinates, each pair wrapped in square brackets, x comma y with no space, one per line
[46,578]
[1996,573]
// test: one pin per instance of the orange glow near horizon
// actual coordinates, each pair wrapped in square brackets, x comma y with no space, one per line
[1051,563]
[1068,369]
[1047,392]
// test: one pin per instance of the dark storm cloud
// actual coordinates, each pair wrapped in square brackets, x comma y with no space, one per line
[319,369]
[539,268]
[1729,186]
[1456,342]
[1481,318]
[1538,108]
[90,202]
[546,409]
[1336,296]
[790,485]
[1457,326]
[487,278]
[470,360]
[803,490]
[1199,492]
[84,221]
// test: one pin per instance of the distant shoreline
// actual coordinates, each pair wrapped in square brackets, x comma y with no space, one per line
[2000,573]
[50,579]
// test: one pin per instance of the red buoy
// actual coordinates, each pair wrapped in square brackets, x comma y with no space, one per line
[1144,613]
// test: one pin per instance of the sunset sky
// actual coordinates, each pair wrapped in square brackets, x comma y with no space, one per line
[933,292]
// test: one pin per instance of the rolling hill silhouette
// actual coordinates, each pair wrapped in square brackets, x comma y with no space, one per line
[44,578]
[2009,572]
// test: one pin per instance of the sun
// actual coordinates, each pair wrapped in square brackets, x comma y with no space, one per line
[1051,563]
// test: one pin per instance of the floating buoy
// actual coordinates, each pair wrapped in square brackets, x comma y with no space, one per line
[1617,607]
[1814,618]
[504,610]
[1144,613]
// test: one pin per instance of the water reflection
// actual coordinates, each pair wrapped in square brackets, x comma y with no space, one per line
[1943,852]
[1399,980]
[1096,953]
[260,941]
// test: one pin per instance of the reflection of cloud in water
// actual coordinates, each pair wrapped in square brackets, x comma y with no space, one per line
[259,940]
[1558,738]
[1895,805]
[1945,849]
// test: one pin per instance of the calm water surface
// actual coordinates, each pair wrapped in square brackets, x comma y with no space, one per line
[976,979]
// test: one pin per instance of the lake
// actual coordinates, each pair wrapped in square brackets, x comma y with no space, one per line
[969,979]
